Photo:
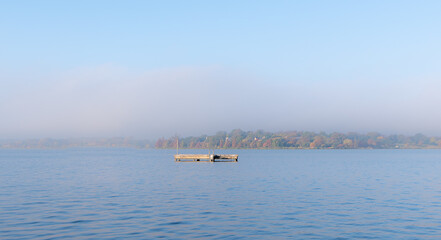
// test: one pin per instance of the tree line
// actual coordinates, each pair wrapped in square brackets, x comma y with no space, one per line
[243,139]
[299,140]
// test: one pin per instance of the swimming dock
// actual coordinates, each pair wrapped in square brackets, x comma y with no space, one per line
[206,157]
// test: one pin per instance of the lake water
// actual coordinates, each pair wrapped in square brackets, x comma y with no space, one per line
[268,194]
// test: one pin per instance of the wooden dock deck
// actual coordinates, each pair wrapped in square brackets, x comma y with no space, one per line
[206,157]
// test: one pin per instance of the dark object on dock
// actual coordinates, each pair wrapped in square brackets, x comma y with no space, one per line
[206,157]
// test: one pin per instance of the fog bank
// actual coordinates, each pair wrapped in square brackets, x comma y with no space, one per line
[107,100]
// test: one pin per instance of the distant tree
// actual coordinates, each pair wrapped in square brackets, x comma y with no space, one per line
[318,142]
[159,143]
[234,143]
[267,143]
[348,143]
[371,142]
[336,140]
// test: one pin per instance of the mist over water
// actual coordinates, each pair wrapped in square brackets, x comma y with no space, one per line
[111,101]
[152,70]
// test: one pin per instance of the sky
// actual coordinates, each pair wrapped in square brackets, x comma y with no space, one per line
[149,69]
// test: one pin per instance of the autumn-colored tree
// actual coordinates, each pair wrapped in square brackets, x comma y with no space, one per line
[348,143]
[159,143]
[317,143]
[267,143]
[371,142]
[234,143]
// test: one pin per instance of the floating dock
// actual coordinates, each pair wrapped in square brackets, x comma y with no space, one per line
[206,158]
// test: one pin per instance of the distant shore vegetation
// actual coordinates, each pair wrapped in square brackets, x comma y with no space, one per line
[238,139]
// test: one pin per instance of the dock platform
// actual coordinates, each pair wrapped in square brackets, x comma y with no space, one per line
[206,157]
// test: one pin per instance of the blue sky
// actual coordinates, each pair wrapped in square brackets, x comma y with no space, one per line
[318,65]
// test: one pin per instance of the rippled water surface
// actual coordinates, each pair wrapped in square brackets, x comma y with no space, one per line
[274,194]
